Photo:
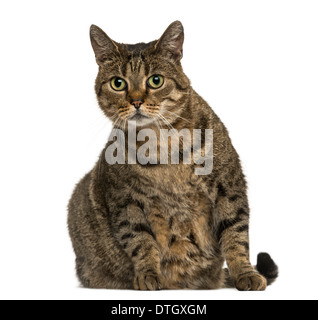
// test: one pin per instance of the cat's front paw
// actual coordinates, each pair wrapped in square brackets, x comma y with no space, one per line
[251,281]
[147,282]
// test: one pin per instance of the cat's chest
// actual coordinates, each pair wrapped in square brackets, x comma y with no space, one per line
[179,213]
[173,180]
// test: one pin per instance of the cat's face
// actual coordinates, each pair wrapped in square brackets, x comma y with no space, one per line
[143,82]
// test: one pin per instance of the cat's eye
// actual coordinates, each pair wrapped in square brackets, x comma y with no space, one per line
[155,82]
[118,84]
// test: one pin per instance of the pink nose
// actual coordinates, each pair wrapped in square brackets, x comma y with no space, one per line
[137,103]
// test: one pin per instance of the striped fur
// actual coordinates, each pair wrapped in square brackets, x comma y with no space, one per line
[160,226]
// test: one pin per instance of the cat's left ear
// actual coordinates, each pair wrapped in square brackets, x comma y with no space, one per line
[170,45]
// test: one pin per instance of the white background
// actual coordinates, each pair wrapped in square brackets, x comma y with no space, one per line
[255,62]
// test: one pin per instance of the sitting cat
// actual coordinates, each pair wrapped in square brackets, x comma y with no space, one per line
[161,226]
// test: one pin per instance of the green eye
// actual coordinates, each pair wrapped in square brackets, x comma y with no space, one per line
[118,84]
[155,82]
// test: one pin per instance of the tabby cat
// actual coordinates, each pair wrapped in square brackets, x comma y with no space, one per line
[151,227]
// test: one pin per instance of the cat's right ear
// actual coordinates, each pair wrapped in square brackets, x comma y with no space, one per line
[104,47]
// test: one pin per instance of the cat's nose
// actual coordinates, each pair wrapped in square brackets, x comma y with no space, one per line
[137,103]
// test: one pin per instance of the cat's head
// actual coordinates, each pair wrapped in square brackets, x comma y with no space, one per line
[142,82]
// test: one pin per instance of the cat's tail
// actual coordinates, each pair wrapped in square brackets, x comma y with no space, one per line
[265,266]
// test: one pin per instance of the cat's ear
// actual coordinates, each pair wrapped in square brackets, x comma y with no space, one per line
[170,45]
[104,47]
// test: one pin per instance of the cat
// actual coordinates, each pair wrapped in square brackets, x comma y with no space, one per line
[152,227]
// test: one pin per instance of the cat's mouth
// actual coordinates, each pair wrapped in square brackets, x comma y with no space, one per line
[139,117]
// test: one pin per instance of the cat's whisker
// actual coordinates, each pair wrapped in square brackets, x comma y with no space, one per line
[113,119]
[163,150]
[115,123]
[164,121]
[177,116]
[125,123]
[172,129]
[167,122]
[97,126]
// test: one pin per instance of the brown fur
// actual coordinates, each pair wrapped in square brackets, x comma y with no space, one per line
[161,226]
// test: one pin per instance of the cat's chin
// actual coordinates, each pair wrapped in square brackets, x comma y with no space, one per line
[138,117]
[140,120]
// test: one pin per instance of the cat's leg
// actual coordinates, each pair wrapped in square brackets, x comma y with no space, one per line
[100,262]
[138,241]
[100,275]
[233,232]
